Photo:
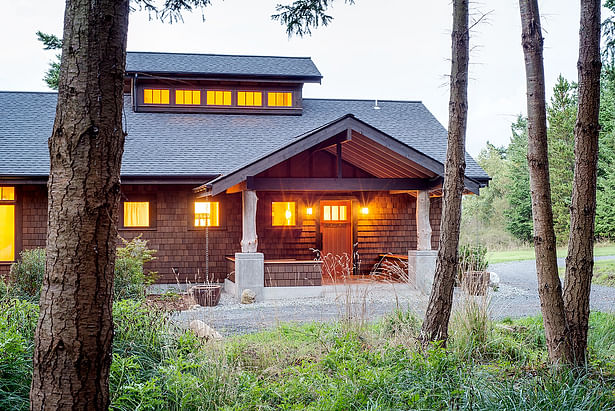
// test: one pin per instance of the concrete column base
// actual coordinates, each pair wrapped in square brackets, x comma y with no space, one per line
[421,269]
[250,273]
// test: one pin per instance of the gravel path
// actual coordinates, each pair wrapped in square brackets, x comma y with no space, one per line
[517,297]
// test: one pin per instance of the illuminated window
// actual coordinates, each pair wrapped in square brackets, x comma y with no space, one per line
[335,213]
[7,223]
[192,97]
[249,98]
[206,214]
[218,98]
[7,193]
[155,96]
[283,213]
[278,99]
[136,214]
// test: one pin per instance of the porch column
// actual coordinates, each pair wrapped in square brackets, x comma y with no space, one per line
[249,239]
[423,226]
[249,264]
[422,261]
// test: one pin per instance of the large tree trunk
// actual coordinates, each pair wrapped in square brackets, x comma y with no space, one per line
[75,329]
[580,260]
[435,326]
[549,286]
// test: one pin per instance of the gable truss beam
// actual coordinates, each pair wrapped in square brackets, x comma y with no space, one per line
[338,184]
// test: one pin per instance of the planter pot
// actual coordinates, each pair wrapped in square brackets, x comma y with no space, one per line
[206,295]
[475,282]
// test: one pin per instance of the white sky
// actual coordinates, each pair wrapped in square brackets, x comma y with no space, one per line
[385,49]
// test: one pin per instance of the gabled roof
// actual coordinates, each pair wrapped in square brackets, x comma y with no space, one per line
[398,159]
[219,65]
[183,144]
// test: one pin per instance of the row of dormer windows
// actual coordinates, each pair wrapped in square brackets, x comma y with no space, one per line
[152,96]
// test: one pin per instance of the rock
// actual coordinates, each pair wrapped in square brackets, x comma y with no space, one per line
[204,331]
[494,280]
[195,307]
[248,296]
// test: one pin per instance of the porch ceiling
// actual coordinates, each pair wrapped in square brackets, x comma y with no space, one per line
[379,160]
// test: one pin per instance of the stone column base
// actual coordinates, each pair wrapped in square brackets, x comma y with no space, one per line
[250,273]
[421,269]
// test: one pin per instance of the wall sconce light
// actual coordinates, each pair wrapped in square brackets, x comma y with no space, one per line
[364,210]
[308,211]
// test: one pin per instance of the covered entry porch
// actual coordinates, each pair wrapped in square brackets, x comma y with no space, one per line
[326,207]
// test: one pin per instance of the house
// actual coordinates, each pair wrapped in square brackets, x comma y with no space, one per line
[228,170]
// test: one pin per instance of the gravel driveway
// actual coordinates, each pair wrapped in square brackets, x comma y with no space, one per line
[517,297]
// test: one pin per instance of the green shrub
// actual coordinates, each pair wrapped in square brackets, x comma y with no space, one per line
[471,258]
[131,281]
[26,275]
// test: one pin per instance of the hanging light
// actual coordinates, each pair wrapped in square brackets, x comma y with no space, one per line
[364,210]
[308,211]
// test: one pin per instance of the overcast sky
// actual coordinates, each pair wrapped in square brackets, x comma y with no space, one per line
[376,49]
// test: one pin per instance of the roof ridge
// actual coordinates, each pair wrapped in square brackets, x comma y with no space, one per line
[220,55]
[363,100]
[28,92]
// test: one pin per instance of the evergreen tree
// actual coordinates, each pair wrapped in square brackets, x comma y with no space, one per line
[605,195]
[519,213]
[561,115]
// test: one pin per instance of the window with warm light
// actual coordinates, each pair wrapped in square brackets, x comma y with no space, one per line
[206,214]
[218,98]
[155,96]
[189,97]
[283,213]
[250,98]
[335,213]
[7,223]
[280,99]
[136,214]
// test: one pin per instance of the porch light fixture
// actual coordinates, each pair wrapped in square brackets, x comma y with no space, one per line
[308,211]
[364,210]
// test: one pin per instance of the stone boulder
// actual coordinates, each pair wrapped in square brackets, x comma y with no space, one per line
[204,331]
[248,296]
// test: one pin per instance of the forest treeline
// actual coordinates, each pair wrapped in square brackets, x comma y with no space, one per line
[502,215]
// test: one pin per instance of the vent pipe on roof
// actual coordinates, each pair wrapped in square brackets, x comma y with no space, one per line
[376,107]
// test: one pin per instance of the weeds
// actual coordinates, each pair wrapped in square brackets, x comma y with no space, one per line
[327,366]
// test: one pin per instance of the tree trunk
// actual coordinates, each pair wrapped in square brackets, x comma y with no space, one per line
[74,334]
[580,260]
[549,286]
[435,326]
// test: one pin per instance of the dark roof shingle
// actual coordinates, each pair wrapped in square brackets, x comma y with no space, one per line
[223,65]
[176,144]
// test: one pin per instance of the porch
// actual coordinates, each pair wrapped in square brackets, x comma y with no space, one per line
[326,207]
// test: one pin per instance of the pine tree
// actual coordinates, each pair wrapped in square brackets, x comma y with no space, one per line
[519,214]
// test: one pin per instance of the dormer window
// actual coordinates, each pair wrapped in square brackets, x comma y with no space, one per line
[218,98]
[250,98]
[279,99]
[190,97]
[155,96]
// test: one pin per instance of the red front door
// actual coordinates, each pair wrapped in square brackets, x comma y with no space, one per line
[336,229]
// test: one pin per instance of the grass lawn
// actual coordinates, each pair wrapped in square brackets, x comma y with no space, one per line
[528,253]
[604,273]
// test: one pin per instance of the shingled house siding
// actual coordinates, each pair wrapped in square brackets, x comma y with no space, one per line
[390,227]
[435,215]
[180,246]
[32,205]
[285,242]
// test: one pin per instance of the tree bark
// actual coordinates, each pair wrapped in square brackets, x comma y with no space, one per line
[435,326]
[75,329]
[580,260]
[549,286]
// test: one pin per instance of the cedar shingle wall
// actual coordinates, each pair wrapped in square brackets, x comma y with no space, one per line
[180,246]
[32,205]
[389,227]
